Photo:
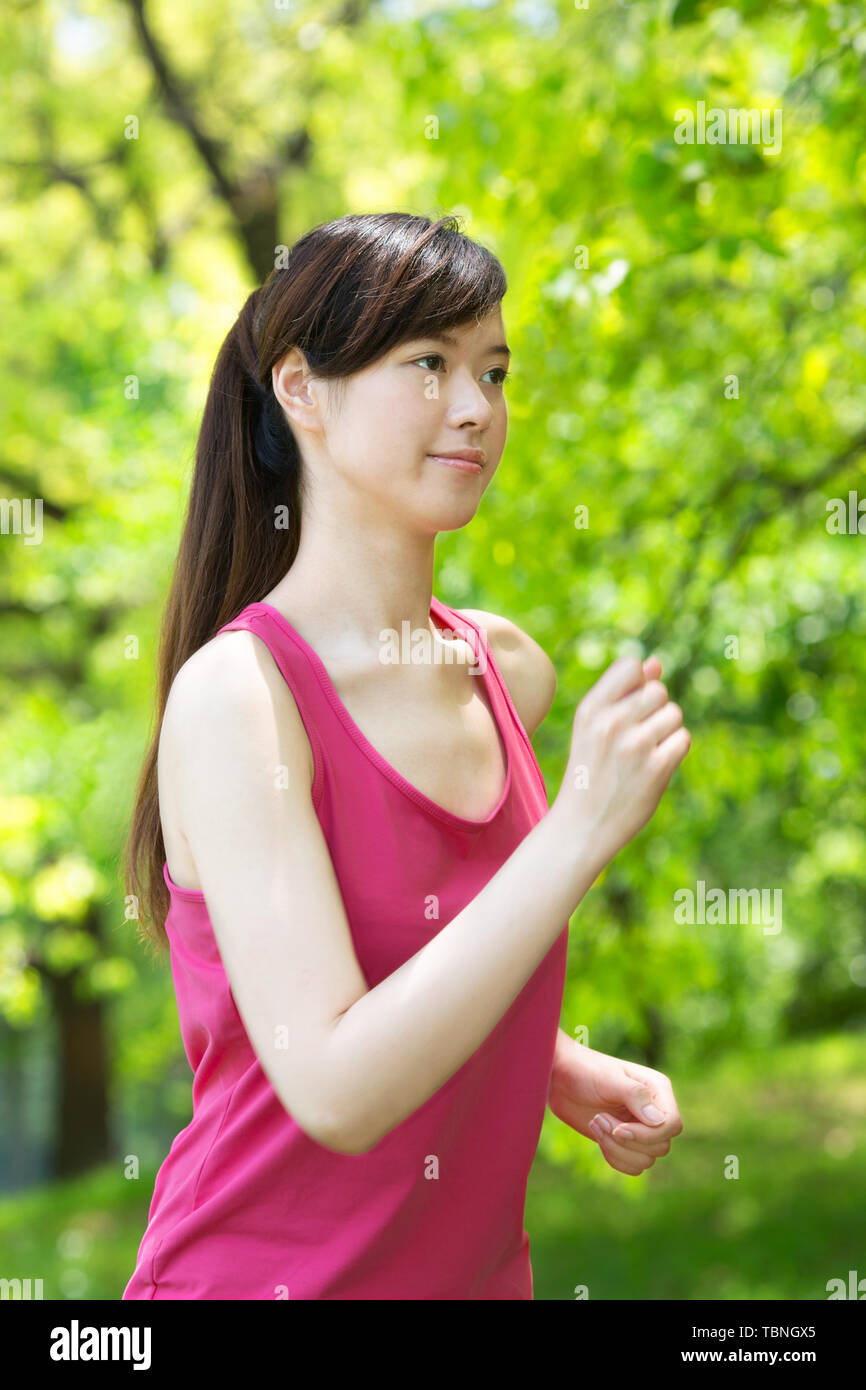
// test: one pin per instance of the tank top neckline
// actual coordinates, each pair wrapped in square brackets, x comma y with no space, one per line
[498,707]
[446,617]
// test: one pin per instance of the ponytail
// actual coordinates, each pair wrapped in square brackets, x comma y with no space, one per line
[235,547]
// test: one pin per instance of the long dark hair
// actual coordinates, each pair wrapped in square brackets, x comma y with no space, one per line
[346,293]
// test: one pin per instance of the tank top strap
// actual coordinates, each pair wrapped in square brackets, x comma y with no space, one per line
[506,714]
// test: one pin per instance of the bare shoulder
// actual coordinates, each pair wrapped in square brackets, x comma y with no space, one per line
[527,670]
[231,679]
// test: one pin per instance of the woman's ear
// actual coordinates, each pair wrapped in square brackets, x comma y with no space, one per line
[301,395]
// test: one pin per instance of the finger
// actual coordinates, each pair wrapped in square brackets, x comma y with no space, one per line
[652,668]
[654,1139]
[640,1103]
[642,703]
[624,675]
[663,1099]
[635,1132]
[656,1146]
[624,1159]
[671,751]
[663,722]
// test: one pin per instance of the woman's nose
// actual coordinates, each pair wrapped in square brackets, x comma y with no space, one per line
[470,404]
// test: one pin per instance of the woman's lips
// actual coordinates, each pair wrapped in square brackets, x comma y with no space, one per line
[462,465]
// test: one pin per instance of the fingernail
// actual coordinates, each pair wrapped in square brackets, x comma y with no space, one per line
[622,1133]
[603,1123]
[652,1114]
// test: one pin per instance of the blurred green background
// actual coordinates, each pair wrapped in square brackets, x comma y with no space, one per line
[686,400]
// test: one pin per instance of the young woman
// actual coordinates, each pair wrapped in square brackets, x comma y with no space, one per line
[352,858]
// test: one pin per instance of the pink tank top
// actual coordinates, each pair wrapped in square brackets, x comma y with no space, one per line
[246,1205]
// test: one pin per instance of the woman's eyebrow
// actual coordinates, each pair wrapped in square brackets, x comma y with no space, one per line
[452,342]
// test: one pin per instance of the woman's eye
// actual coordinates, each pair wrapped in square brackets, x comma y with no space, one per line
[437,357]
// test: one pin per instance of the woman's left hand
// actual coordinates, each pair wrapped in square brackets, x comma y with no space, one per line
[603,1098]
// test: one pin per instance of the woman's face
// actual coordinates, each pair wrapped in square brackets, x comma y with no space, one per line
[382,436]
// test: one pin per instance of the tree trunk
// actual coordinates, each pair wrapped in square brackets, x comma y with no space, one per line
[81,1130]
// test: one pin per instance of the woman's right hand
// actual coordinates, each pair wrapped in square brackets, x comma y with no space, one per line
[627,741]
